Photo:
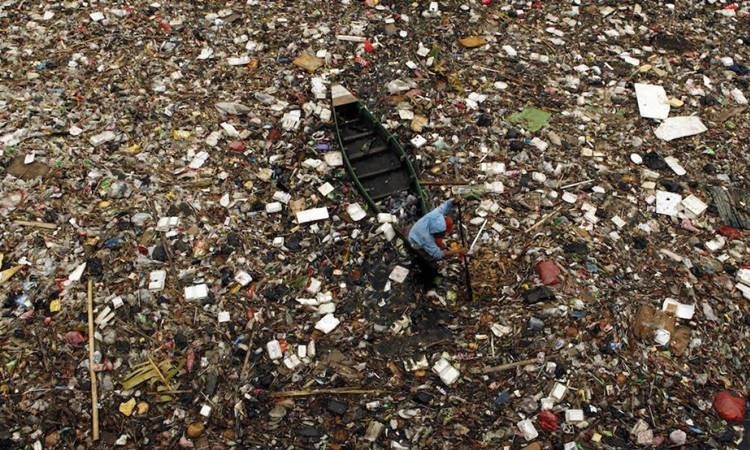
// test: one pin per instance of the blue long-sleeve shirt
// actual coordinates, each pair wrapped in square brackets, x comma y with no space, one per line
[421,235]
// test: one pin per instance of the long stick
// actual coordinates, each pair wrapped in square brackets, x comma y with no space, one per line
[444,183]
[504,366]
[471,247]
[26,223]
[339,391]
[92,374]
[467,274]
[544,219]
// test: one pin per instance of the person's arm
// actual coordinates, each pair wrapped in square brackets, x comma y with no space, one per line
[432,249]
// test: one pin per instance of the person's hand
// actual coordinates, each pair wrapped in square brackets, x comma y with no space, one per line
[456,251]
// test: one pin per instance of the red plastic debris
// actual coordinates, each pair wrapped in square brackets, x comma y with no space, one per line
[730,232]
[486,2]
[74,338]
[729,407]
[548,421]
[237,146]
[189,361]
[361,61]
[548,272]
[164,25]
[369,48]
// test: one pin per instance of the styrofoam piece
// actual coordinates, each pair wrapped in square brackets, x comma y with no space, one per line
[495,187]
[314,286]
[156,280]
[399,274]
[678,127]
[273,207]
[569,197]
[77,273]
[196,292]
[356,212]
[292,361]
[224,316]
[558,392]
[667,203]
[447,373]
[662,336]
[652,101]
[283,197]
[743,276]
[243,278]
[205,411]
[327,308]
[492,168]
[680,310]
[325,189]
[334,159]
[199,160]
[617,220]
[716,243]
[675,165]
[418,141]
[387,218]
[374,428]
[327,323]
[527,429]
[312,215]
[387,230]
[694,205]
[573,415]
[274,349]
[167,223]
[500,330]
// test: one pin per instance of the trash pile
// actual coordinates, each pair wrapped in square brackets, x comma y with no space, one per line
[173,192]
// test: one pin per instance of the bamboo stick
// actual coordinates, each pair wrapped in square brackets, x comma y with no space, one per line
[92,373]
[504,366]
[333,391]
[26,223]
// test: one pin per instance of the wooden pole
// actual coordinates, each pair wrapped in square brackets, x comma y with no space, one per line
[443,183]
[467,274]
[504,366]
[92,374]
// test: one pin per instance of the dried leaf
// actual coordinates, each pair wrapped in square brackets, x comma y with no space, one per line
[472,41]
[6,274]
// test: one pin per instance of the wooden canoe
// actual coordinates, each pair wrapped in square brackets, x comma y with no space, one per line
[373,157]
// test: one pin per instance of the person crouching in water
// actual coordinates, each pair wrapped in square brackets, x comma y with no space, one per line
[426,238]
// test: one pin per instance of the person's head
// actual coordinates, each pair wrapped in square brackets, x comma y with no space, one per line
[448,227]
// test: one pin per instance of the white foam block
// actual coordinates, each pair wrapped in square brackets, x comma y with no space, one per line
[156,280]
[312,215]
[667,203]
[197,292]
[327,323]
[447,373]
[356,212]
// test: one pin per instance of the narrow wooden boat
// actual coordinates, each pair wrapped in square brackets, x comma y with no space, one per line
[374,159]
